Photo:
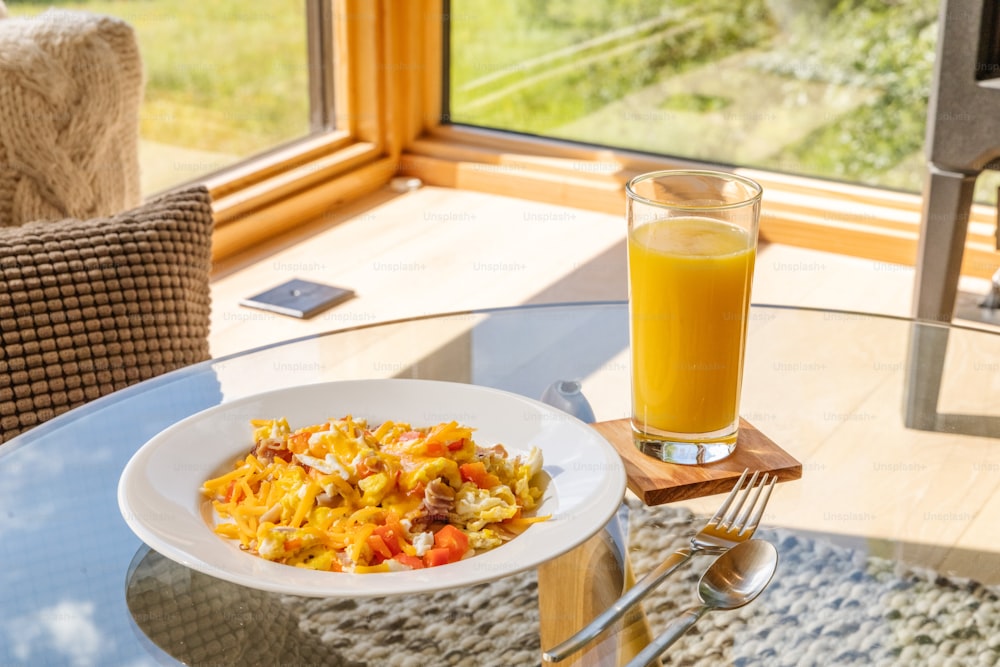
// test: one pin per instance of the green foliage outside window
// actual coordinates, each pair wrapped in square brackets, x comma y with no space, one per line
[831,88]
[226,77]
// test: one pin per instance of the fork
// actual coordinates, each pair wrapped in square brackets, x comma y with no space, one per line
[727,528]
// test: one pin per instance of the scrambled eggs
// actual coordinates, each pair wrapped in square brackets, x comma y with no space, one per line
[340,496]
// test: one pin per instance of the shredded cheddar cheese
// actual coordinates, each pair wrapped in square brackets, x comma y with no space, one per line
[340,496]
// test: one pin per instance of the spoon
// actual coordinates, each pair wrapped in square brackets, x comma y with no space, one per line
[734,579]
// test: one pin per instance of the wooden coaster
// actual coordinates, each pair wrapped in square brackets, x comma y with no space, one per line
[656,482]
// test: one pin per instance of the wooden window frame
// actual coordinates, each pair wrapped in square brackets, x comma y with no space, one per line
[352,154]
[388,83]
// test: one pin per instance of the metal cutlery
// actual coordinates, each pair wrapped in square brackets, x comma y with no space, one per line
[736,578]
[734,523]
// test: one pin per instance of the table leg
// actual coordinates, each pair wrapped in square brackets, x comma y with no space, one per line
[635,632]
[574,588]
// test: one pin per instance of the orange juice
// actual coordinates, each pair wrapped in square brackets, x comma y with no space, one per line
[689,283]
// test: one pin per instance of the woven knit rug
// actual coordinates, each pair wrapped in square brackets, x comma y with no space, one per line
[826,605]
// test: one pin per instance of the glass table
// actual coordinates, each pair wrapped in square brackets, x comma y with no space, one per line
[887,543]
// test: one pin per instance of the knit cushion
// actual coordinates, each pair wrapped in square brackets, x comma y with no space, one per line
[70,93]
[91,306]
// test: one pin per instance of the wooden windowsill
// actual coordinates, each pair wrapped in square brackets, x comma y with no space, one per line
[853,220]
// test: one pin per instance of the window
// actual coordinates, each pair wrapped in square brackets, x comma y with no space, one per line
[297,131]
[813,87]
[519,109]
[543,99]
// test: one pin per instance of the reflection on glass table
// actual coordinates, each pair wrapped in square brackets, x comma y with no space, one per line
[879,542]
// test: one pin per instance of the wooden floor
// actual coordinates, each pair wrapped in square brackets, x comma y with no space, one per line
[436,250]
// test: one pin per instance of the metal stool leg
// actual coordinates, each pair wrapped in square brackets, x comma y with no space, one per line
[928,345]
[943,226]
[947,201]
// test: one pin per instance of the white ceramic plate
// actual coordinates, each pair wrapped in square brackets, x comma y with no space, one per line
[159,490]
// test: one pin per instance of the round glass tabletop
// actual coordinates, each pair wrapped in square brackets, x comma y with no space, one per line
[895,424]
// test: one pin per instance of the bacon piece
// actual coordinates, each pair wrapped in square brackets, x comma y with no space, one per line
[267,448]
[439,499]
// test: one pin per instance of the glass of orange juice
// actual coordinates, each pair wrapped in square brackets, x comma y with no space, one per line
[692,241]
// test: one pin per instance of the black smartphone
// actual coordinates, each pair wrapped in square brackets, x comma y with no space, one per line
[298,298]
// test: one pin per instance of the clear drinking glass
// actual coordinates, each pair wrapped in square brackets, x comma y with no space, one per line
[692,241]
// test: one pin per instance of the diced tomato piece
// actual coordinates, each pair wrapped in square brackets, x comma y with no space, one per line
[435,449]
[390,537]
[471,471]
[410,561]
[454,540]
[436,556]
[392,521]
[475,472]
[379,547]
[456,445]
